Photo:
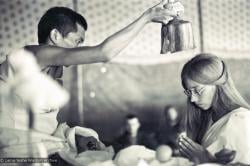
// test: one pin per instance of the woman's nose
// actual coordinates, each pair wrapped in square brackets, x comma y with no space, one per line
[193,98]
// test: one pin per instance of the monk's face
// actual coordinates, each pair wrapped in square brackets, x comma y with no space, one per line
[72,39]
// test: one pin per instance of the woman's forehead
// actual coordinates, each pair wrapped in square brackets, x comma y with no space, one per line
[190,84]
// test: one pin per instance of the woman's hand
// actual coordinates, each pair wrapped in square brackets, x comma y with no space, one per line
[225,156]
[193,151]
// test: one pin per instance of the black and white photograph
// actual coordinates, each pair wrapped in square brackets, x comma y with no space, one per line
[124,82]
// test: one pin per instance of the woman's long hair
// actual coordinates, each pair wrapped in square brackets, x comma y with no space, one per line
[209,70]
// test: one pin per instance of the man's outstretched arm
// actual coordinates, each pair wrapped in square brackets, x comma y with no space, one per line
[105,51]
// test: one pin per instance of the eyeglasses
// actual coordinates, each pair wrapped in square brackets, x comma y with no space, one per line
[194,91]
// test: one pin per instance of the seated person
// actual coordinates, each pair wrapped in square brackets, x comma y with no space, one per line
[218,118]
[170,128]
[134,133]
[129,134]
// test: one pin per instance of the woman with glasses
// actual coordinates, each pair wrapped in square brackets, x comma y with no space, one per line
[217,117]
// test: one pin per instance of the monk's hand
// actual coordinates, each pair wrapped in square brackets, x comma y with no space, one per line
[194,151]
[163,14]
[225,156]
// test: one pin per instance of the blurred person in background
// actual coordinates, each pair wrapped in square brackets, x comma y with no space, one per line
[218,118]
[129,133]
[135,133]
[170,128]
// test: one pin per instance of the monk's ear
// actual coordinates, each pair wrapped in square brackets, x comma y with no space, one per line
[55,36]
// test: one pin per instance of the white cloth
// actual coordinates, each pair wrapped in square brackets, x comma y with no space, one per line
[131,155]
[35,88]
[65,132]
[84,158]
[43,122]
[137,155]
[104,163]
[174,161]
[26,85]
[14,115]
[17,143]
[232,131]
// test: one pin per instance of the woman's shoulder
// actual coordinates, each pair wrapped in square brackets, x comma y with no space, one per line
[240,114]
[240,110]
[236,122]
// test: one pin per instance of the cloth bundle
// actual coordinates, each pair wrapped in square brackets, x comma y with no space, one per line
[86,157]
